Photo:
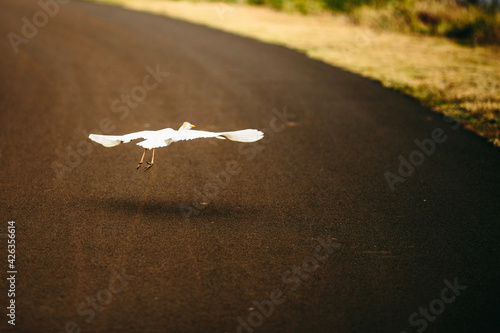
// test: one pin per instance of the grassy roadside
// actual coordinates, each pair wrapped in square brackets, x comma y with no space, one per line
[459,81]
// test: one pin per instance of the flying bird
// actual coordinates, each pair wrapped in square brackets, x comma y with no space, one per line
[164,137]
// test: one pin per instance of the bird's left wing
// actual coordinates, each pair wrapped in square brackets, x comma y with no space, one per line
[115,140]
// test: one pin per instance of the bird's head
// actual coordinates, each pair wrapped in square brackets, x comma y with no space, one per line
[186,126]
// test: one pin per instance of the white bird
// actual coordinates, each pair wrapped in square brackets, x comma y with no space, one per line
[164,137]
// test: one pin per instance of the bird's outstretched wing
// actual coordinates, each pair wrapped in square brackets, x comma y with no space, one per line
[248,135]
[115,140]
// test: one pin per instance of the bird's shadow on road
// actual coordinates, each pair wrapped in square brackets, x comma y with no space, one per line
[177,212]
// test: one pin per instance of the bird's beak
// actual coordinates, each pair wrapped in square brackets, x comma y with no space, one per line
[192,126]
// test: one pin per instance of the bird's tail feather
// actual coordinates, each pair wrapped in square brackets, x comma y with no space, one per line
[248,135]
[105,140]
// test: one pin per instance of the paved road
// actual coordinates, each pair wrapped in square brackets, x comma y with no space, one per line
[300,232]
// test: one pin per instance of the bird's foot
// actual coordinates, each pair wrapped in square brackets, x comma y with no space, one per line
[138,166]
[148,167]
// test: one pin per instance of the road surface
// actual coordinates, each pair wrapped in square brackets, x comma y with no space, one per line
[360,211]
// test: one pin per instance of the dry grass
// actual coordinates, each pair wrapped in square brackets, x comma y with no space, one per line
[468,24]
[460,81]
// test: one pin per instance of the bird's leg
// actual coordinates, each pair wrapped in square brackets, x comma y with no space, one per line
[152,161]
[142,159]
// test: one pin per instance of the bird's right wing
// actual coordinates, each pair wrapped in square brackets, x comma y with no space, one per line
[182,135]
[115,140]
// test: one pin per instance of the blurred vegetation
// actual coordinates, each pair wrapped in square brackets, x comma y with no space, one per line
[469,22]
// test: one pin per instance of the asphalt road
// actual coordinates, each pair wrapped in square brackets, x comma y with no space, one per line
[299,232]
